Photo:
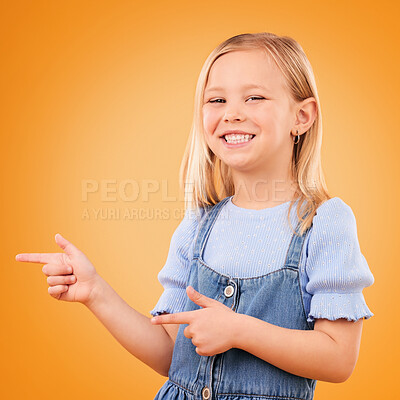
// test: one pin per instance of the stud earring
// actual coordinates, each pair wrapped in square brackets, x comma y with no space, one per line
[298,137]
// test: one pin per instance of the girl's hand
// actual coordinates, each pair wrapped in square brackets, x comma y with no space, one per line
[211,328]
[71,276]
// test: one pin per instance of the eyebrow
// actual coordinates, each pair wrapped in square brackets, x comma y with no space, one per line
[248,86]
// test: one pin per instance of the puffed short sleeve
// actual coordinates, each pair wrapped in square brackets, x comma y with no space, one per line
[175,273]
[336,268]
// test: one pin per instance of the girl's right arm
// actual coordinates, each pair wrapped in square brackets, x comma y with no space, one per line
[72,277]
[131,328]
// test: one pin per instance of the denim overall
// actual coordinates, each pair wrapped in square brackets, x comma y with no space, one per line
[236,374]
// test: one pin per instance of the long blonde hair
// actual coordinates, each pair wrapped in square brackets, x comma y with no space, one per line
[206,180]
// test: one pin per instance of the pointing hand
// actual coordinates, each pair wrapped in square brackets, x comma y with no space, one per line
[70,275]
[211,327]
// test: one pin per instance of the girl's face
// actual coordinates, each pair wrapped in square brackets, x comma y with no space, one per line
[246,92]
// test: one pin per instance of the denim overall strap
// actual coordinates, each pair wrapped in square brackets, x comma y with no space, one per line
[295,247]
[210,217]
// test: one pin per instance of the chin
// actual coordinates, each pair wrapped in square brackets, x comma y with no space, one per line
[238,166]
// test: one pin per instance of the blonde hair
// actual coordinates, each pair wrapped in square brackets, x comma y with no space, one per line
[210,178]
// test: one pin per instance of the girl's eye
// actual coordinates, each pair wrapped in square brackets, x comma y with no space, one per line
[214,101]
[256,97]
[252,97]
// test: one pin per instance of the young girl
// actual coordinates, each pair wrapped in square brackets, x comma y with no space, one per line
[264,277]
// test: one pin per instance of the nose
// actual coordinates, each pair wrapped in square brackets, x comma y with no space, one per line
[233,117]
[233,113]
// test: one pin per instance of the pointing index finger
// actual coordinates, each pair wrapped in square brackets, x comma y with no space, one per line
[177,318]
[42,258]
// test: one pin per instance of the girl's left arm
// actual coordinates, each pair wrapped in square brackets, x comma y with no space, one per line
[327,353]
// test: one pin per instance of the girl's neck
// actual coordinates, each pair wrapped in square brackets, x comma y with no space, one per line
[258,193]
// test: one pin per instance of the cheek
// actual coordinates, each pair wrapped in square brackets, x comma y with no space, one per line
[210,120]
[264,119]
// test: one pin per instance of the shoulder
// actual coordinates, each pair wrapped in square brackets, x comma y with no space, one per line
[187,228]
[334,224]
[334,214]
[335,207]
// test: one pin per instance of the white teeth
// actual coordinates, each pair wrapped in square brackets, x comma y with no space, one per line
[238,138]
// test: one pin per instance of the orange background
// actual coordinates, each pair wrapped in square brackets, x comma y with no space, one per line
[103,90]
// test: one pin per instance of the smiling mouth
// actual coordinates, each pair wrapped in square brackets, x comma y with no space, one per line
[238,138]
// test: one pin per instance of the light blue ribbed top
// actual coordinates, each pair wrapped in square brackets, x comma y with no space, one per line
[247,243]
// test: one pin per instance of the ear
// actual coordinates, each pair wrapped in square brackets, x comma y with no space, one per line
[306,112]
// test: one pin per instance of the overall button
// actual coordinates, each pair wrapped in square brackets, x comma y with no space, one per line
[228,292]
[205,393]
